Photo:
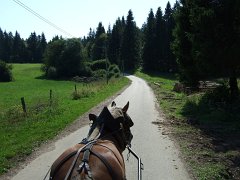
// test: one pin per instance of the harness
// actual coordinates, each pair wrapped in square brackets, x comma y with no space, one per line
[84,163]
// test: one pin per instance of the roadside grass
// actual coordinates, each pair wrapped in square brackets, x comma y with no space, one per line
[206,126]
[21,132]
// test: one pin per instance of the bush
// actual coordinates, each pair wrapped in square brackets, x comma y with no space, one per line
[114,71]
[5,72]
[101,73]
[99,64]
[82,93]
[52,72]
[220,94]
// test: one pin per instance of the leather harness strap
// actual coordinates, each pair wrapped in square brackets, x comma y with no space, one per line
[87,149]
[75,160]
[111,151]
[56,168]
[85,160]
[108,166]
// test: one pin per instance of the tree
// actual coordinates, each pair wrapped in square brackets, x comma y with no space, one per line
[42,44]
[1,44]
[216,39]
[64,57]
[7,46]
[160,40]
[19,49]
[182,46]
[130,48]
[100,43]
[52,57]
[207,40]
[149,52]
[115,40]
[170,61]
[100,30]
[32,43]
[71,61]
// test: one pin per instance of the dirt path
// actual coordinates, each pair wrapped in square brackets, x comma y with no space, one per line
[158,152]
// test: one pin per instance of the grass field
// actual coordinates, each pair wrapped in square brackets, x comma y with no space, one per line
[206,127]
[20,132]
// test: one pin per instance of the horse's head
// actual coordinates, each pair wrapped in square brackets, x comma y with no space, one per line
[115,122]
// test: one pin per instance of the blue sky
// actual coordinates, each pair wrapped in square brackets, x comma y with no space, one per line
[74,16]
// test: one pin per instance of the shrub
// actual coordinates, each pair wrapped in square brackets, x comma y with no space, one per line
[99,64]
[5,72]
[101,73]
[114,71]
[82,93]
[220,94]
[52,72]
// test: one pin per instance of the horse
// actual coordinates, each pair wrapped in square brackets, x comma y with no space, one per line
[99,155]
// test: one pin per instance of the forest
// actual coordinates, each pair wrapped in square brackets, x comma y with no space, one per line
[196,39]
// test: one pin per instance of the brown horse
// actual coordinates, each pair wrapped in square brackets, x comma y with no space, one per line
[99,156]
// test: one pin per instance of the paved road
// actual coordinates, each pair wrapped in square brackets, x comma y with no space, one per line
[158,153]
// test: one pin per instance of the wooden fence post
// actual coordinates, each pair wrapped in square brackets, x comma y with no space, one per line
[23,105]
[50,97]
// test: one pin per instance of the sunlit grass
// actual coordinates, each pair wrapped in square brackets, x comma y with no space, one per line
[20,132]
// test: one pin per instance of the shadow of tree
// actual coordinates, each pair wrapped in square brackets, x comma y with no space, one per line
[218,118]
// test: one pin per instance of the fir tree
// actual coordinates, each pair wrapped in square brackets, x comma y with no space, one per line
[130,48]
[149,53]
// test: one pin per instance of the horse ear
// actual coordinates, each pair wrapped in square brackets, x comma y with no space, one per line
[125,108]
[92,117]
[113,104]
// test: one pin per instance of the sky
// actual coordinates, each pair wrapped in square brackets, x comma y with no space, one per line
[75,17]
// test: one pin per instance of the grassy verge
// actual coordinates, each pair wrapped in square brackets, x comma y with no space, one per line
[205,125]
[21,132]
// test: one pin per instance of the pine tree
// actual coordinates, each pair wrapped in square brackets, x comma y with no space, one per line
[32,43]
[7,46]
[216,39]
[99,47]
[41,46]
[1,44]
[17,48]
[160,40]
[115,40]
[100,30]
[130,48]
[182,46]
[149,52]
[170,62]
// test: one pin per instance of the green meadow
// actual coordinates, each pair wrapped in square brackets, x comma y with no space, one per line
[21,132]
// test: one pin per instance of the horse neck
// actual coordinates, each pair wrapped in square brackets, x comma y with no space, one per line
[114,138]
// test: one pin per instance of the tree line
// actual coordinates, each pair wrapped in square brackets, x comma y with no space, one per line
[14,49]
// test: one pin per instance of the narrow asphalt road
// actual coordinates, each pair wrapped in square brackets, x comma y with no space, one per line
[158,153]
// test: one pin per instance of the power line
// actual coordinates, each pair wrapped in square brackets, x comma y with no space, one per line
[42,18]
